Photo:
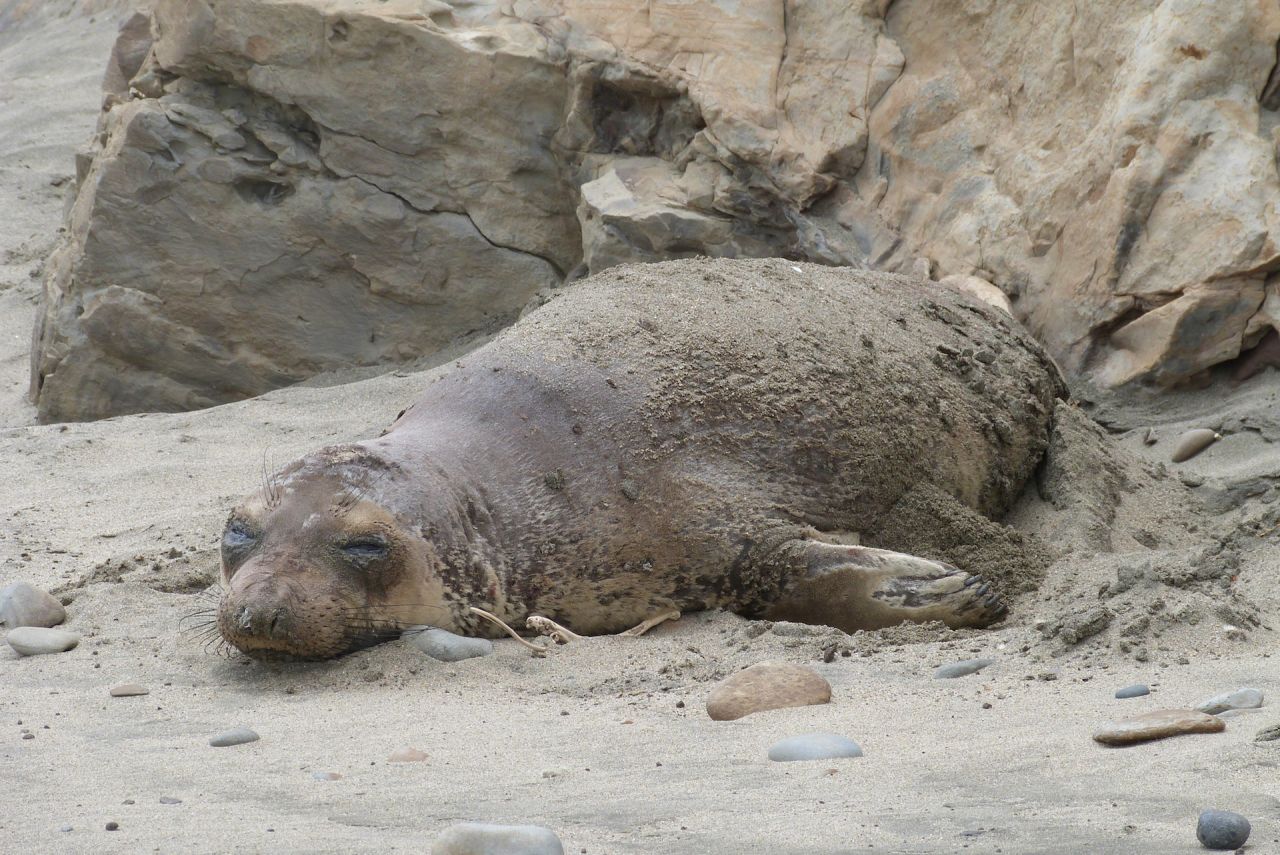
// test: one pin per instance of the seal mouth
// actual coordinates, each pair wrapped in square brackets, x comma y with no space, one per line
[306,632]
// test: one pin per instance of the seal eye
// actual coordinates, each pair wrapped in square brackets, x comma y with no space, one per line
[237,536]
[367,547]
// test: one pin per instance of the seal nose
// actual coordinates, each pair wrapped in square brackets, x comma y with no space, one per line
[263,622]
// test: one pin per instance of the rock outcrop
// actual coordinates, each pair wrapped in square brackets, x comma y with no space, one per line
[284,188]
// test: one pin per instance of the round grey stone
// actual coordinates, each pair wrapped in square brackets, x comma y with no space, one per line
[814,746]
[1241,699]
[23,604]
[961,668]
[447,647]
[38,640]
[482,838]
[235,736]
[1137,690]
[1222,829]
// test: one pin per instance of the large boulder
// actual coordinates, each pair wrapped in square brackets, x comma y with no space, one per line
[284,188]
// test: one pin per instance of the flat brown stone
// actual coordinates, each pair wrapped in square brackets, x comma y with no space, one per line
[1158,725]
[766,686]
[128,690]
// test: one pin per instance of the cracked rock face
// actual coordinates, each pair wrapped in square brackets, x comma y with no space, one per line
[284,188]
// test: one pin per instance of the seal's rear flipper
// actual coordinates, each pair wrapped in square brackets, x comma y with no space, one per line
[858,587]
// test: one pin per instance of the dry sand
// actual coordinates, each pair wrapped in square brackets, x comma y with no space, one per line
[120,518]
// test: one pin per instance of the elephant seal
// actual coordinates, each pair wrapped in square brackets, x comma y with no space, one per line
[689,435]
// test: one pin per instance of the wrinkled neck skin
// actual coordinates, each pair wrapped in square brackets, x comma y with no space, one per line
[489,446]
[439,503]
[458,467]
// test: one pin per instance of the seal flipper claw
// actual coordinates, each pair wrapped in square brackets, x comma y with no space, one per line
[859,587]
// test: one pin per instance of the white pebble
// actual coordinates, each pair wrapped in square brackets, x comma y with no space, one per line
[482,838]
[37,640]
[814,746]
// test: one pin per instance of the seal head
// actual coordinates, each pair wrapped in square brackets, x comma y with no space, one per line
[314,566]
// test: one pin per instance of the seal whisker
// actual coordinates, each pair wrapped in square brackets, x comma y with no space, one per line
[201,632]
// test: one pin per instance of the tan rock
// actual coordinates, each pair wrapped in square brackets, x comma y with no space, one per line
[766,686]
[1158,725]
[1192,442]
[978,288]
[407,755]
[129,690]
[282,189]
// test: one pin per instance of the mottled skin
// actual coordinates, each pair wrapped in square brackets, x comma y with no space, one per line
[687,435]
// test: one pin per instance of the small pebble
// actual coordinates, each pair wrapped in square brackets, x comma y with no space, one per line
[170,800]
[65,828]
[326,776]
[36,640]
[235,736]
[766,686]
[113,826]
[128,690]
[407,755]
[1158,725]
[961,668]
[23,604]
[482,838]
[1192,442]
[1137,690]
[445,646]
[1241,699]
[814,746]
[1222,829]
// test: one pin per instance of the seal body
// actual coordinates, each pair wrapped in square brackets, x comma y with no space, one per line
[684,435]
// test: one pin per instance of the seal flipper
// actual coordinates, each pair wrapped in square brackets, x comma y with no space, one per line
[859,587]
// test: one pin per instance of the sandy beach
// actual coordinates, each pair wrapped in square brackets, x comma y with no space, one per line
[606,741]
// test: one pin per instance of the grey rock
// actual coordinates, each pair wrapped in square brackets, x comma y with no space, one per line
[23,604]
[1222,829]
[65,828]
[814,746]
[1240,699]
[482,838]
[446,646]
[36,640]
[961,669]
[170,800]
[235,736]
[1135,691]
